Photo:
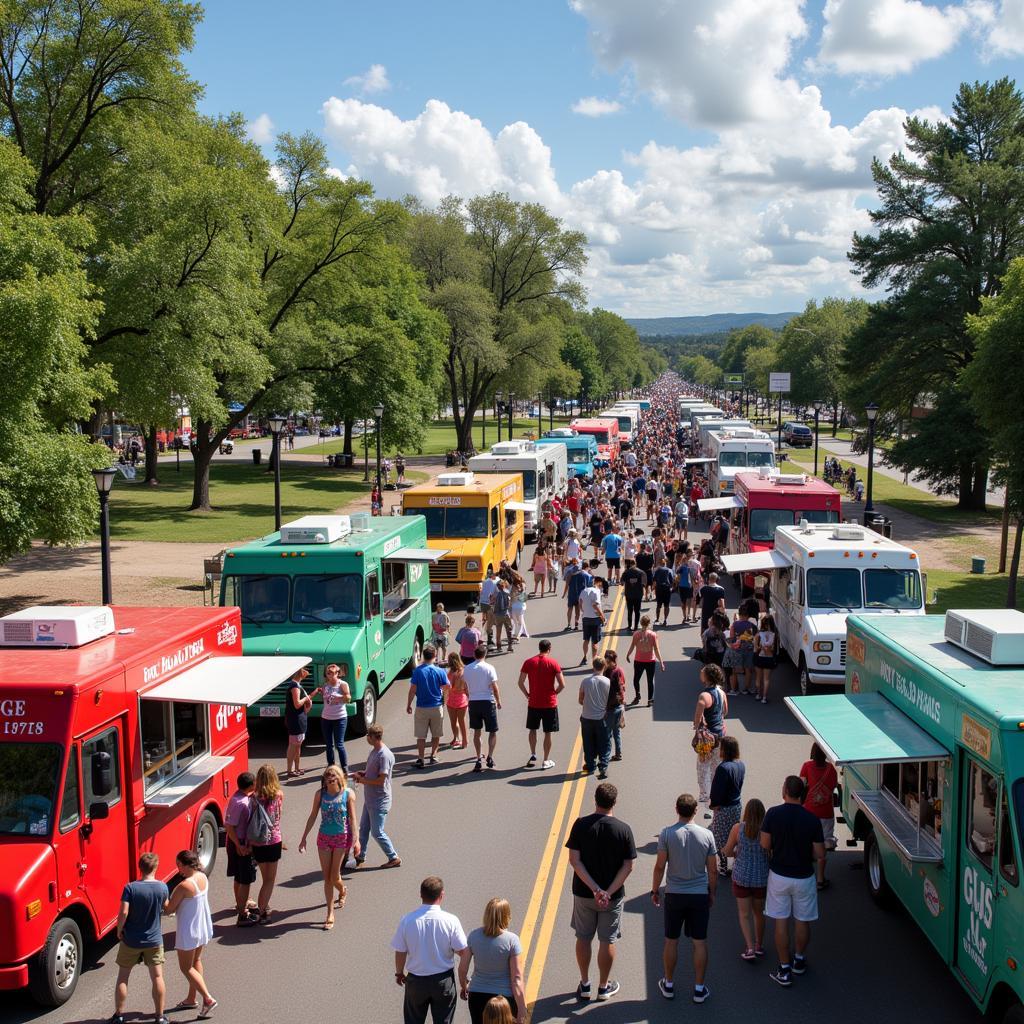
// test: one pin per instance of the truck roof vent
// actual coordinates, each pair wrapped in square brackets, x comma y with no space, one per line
[995,635]
[455,479]
[360,522]
[791,479]
[55,626]
[511,447]
[847,531]
[316,530]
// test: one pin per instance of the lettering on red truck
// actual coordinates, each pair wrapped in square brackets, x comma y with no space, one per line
[170,662]
[14,715]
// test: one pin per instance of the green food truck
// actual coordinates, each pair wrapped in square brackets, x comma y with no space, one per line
[929,739]
[348,589]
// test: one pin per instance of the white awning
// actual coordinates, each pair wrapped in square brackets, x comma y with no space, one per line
[227,680]
[699,462]
[717,504]
[521,506]
[756,561]
[415,555]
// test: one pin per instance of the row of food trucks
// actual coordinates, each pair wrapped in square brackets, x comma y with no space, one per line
[580,449]
[605,431]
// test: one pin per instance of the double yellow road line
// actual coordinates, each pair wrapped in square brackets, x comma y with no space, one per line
[542,909]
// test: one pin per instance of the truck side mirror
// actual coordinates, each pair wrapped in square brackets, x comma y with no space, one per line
[99,810]
[790,591]
[101,766]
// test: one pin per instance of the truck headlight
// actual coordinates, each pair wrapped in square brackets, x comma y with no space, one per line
[721,485]
[823,645]
[472,565]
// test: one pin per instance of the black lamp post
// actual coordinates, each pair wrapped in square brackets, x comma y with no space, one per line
[104,481]
[276,426]
[499,408]
[511,412]
[378,414]
[817,412]
[872,413]
[366,453]
[540,415]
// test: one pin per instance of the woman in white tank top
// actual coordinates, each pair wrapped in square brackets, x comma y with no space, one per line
[190,901]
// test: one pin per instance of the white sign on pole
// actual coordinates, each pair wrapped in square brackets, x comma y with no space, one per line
[779,382]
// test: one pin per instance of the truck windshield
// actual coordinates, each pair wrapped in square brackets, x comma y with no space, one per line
[818,515]
[760,459]
[453,523]
[28,782]
[764,520]
[334,598]
[892,588]
[579,456]
[529,483]
[434,518]
[601,436]
[833,588]
[625,423]
[728,460]
[262,598]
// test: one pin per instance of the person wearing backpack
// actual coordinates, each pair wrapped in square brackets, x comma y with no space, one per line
[264,834]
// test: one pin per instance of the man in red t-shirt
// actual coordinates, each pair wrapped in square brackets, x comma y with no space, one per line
[545,682]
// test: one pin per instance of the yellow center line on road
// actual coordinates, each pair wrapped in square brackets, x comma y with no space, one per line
[556,860]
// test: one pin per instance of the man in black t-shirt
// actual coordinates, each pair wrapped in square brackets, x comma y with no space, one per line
[794,840]
[602,854]
[712,597]
[634,583]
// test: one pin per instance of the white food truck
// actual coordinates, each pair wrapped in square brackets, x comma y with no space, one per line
[735,450]
[822,572]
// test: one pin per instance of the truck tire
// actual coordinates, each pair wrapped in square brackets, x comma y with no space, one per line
[1014,1015]
[874,873]
[366,710]
[54,976]
[207,840]
[519,551]
[806,686]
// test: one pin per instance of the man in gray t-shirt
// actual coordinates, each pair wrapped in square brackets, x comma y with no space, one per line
[597,737]
[375,779]
[689,854]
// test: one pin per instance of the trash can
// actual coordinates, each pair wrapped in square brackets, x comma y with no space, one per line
[346,459]
[880,524]
[978,565]
[257,456]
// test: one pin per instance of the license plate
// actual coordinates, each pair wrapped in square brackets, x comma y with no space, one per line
[271,711]
[435,586]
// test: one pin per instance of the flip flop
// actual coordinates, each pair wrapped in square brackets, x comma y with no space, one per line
[208,1008]
[328,925]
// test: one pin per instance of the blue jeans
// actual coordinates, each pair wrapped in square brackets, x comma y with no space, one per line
[612,719]
[334,739]
[371,822]
[597,743]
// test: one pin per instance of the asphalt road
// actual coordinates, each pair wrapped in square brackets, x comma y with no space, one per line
[501,833]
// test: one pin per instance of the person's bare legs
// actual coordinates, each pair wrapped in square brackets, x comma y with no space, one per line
[803,937]
[121,989]
[188,963]
[156,976]
[460,716]
[492,742]
[476,743]
[326,858]
[743,911]
[532,737]
[605,962]
[435,742]
[757,907]
[782,939]
[421,747]
[547,746]
[669,957]
[700,961]
[583,954]
[268,876]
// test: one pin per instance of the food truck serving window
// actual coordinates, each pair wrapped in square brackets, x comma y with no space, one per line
[529,483]
[28,786]
[396,585]
[262,598]
[917,787]
[174,734]
[327,598]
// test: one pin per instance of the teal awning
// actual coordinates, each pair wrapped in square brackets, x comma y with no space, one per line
[863,728]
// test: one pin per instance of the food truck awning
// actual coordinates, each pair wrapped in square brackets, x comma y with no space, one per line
[755,561]
[415,555]
[863,728]
[520,506]
[227,680]
[698,462]
[717,504]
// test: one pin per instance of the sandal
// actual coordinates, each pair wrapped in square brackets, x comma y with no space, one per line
[748,954]
[328,924]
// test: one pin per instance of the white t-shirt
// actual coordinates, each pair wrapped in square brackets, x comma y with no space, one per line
[479,676]
[572,548]
[590,601]
[487,589]
[431,937]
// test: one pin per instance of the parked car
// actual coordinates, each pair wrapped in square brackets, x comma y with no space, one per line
[227,446]
[797,435]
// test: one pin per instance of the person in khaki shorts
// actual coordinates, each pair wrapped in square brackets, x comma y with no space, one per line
[138,928]
[430,688]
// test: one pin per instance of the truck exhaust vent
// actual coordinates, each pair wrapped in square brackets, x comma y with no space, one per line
[316,530]
[994,635]
[55,626]
[455,479]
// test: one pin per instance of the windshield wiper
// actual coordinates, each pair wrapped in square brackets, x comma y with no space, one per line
[249,618]
[306,616]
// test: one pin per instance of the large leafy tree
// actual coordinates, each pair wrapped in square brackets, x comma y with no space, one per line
[739,341]
[951,218]
[618,346]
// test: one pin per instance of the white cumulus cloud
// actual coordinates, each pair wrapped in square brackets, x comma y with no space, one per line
[594,106]
[1006,36]
[373,80]
[260,130]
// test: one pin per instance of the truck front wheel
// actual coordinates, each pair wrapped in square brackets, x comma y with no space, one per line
[1013,1015]
[207,840]
[874,873]
[366,710]
[806,686]
[54,976]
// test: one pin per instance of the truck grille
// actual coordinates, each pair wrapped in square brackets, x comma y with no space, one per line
[842,652]
[445,569]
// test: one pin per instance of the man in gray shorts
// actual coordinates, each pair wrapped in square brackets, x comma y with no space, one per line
[602,854]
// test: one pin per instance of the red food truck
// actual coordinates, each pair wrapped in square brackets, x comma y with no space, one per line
[121,732]
[767,499]
[605,430]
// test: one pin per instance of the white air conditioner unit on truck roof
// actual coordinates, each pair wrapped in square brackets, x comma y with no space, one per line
[55,626]
[789,479]
[995,635]
[511,447]
[455,479]
[316,530]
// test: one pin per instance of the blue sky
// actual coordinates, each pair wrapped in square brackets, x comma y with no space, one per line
[724,167]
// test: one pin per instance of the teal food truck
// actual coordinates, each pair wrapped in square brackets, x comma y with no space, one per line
[581,449]
[348,589]
[929,740]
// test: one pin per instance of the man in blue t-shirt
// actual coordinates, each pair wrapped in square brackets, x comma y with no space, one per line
[575,585]
[611,545]
[142,941]
[429,685]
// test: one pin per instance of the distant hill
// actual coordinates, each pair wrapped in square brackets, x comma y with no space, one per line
[713,324]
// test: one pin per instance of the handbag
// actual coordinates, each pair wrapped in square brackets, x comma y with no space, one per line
[704,741]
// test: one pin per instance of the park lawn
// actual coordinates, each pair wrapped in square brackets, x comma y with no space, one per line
[965,590]
[242,496]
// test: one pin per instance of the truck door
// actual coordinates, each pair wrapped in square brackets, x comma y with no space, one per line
[105,863]
[374,635]
[976,899]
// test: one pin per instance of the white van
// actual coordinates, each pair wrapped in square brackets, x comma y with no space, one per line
[822,572]
[735,450]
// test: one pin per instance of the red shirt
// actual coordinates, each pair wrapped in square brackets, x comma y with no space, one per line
[541,671]
[573,502]
[820,783]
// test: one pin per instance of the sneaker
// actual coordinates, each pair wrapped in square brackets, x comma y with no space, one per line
[246,920]
[532,761]
[117,1019]
[607,991]
[602,774]
[759,951]
[748,954]
[418,762]
[707,815]
[583,662]
[582,993]
[700,993]
[161,1020]
[548,764]
[433,760]
[616,757]
[666,988]
[479,766]
[490,762]
[781,975]
[799,965]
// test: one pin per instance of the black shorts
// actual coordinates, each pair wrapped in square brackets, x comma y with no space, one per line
[685,593]
[612,563]
[546,717]
[591,631]
[662,597]
[269,854]
[687,913]
[483,714]
[242,868]
[764,661]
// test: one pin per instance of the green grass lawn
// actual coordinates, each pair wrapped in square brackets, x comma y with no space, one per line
[242,497]
[966,590]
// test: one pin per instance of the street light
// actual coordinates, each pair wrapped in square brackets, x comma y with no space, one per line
[104,479]
[378,413]
[499,408]
[818,403]
[511,407]
[872,413]
[276,426]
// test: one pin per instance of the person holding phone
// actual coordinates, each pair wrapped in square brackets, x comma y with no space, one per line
[334,714]
[296,719]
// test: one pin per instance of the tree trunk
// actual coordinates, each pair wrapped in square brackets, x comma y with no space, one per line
[1011,587]
[964,486]
[835,418]
[1004,531]
[347,447]
[979,492]
[202,447]
[151,455]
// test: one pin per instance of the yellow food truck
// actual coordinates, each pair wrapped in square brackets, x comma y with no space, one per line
[929,741]
[476,518]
